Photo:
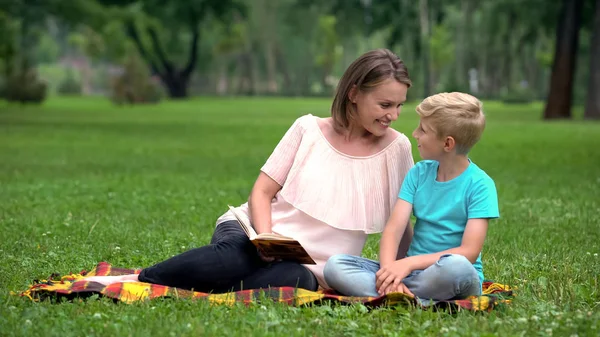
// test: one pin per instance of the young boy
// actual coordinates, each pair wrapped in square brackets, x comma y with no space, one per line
[452,200]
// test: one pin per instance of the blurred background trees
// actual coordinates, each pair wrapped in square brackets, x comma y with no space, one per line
[144,50]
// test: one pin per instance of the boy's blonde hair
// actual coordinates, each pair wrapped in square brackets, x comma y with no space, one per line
[365,73]
[454,114]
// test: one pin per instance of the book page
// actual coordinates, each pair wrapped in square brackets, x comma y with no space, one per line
[273,236]
[245,226]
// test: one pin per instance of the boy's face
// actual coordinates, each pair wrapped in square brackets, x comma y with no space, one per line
[430,145]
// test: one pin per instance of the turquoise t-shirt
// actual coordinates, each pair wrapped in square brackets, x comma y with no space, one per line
[443,208]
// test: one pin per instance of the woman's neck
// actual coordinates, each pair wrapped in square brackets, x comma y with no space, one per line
[355,133]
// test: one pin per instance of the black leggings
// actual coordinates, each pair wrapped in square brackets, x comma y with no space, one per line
[229,262]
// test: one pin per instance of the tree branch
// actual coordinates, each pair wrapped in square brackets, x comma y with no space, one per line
[159,51]
[133,34]
[194,48]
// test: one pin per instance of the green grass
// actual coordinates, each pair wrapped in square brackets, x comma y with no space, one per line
[82,181]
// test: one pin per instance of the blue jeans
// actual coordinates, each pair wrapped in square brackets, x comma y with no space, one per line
[451,277]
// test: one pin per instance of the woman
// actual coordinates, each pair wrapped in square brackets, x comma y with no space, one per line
[328,183]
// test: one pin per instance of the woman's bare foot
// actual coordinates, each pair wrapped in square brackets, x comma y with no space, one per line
[107,280]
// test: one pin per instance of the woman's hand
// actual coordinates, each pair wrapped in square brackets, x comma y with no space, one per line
[390,276]
[263,257]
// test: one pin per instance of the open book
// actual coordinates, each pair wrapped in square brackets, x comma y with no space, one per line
[274,245]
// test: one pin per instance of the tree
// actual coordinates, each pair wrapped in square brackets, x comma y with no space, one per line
[558,103]
[329,50]
[592,104]
[425,47]
[180,16]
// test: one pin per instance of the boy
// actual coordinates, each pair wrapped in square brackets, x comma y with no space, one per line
[452,200]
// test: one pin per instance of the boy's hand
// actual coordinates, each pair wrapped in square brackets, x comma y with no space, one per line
[392,275]
[401,288]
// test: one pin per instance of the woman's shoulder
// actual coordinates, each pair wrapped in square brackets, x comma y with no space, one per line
[307,120]
[398,143]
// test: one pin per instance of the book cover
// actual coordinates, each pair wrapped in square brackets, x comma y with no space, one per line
[274,245]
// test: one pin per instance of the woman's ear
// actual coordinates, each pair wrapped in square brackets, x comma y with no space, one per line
[352,94]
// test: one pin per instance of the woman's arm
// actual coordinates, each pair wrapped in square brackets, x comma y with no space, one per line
[259,202]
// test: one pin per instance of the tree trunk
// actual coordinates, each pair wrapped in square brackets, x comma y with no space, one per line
[176,85]
[176,81]
[425,50]
[592,104]
[558,103]
[461,38]
[506,77]
[284,69]
[271,60]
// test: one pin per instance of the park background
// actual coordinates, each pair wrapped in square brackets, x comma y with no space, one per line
[126,127]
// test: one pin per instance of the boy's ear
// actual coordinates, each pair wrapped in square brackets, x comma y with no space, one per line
[449,144]
[352,94]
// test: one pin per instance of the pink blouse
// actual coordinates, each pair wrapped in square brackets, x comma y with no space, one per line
[330,201]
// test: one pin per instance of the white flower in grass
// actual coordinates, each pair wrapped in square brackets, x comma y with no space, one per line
[522,320]
[97,315]
[596,254]
[535,318]
[549,332]
[444,330]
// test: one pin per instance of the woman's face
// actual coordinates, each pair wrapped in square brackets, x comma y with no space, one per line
[378,108]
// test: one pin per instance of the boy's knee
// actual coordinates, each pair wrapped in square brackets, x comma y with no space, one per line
[456,265]
[335,267]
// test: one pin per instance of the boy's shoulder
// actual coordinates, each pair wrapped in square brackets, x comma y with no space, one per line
[424,168]
[478,174]
[425,164]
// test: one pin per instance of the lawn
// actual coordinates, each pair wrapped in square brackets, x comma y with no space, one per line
[83,181]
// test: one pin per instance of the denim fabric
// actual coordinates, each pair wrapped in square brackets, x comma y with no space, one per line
[451,277]
[229,262]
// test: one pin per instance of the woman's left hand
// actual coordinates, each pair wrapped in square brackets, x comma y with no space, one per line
[263,257]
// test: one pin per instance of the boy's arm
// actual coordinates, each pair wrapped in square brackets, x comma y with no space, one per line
[470,247]
[483,205]
[394,229]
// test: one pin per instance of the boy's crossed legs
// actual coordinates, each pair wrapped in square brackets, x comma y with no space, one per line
[451,277]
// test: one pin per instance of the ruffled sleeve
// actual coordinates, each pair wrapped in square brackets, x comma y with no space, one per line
[278,165]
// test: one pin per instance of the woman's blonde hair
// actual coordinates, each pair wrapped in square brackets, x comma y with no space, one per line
[364,74]
[454,114]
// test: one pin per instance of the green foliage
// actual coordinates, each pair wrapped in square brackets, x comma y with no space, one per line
[47,50]
[24,86]
[135,85]
[442,47]
[8,28]
[83,182]
[70,85]
[517,95]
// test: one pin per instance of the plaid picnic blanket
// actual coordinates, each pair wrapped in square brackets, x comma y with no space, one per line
[75,285]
